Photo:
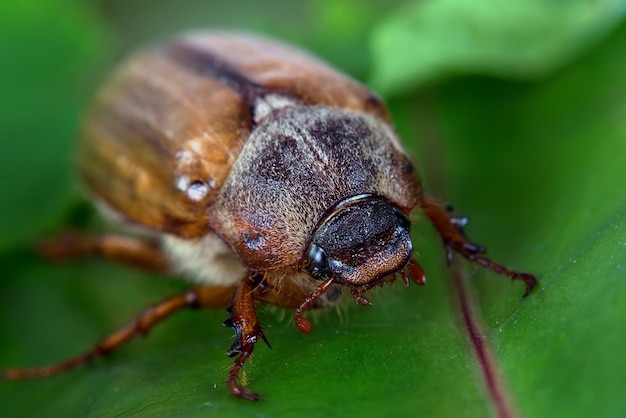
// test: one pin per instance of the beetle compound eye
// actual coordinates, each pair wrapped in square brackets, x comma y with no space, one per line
[317,263]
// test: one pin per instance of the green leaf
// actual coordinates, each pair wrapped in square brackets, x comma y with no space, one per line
[506,38]
[537,166]
[46,49]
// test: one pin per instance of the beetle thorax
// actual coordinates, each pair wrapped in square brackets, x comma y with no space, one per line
[296,165]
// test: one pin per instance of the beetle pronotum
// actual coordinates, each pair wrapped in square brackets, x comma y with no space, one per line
[257,172]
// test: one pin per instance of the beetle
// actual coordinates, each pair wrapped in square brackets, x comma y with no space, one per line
[257,172]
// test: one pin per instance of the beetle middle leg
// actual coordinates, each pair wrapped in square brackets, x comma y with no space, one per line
[450,228]
[199,297]
[123,249]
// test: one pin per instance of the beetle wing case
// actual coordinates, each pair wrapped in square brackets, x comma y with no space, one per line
[166,130]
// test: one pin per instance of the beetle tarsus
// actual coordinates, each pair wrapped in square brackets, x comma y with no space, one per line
[450,228]
[529,280]
[234,385]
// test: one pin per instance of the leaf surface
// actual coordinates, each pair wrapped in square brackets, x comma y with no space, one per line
[539,168]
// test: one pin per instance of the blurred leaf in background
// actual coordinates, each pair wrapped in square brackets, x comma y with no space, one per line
[513,111]
[50,52]
[422,41]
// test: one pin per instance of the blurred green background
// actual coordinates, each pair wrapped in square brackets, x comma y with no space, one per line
[514,111]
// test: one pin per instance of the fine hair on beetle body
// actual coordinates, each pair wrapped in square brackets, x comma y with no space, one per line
[261,175]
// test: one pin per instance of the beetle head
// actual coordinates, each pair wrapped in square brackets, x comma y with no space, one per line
[365,239]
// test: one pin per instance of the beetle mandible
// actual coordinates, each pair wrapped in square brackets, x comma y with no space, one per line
[257,172]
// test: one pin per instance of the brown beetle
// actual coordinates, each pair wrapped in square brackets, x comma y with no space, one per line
[257,172]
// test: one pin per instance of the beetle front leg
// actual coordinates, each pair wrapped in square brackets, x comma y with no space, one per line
[450,228]
[244,321]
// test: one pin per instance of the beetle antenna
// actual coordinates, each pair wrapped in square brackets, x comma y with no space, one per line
[303,324]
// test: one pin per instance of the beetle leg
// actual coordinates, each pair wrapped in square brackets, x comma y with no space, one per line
[119,248]
[195,298]
[244,321]
[450,228]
